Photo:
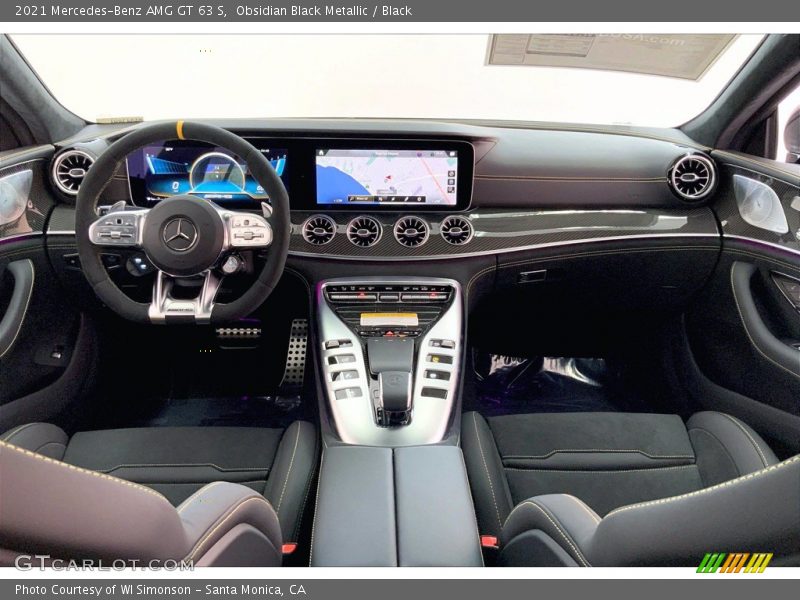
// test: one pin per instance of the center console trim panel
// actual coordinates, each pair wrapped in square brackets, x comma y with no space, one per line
[433,400]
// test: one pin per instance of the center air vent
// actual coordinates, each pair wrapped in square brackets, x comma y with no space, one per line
[319,230]
[693,177]
[364,231]
[411,231]
[456,230]
[69,169]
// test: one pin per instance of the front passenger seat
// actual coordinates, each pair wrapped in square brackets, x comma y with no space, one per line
[51,508]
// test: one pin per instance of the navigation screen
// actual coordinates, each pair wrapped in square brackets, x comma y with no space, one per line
[207,172]
[370,177]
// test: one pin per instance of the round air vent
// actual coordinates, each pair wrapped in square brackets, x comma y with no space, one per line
[364,231]
[693,177]
[411,231]
[69,169]
[456,230]
[319,230]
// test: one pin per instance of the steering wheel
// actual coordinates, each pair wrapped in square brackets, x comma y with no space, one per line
[183,236]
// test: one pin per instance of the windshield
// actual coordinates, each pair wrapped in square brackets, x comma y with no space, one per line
[648,80]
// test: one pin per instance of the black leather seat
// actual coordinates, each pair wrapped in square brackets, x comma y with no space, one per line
[628,489]
[178,461]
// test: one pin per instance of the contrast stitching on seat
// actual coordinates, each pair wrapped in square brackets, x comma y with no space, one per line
[193,497]
[81,470]
[749,437]
[299,520]
[553,520]
[708,490]
[719,441]
[747,331]
[196,548]
[588,450]
[601,471]
[38,450]
[289,471]
[212,465]
[16,430]
[486,467]
[583,505]
[316,510]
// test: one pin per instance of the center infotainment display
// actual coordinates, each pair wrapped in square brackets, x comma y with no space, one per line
[370,177]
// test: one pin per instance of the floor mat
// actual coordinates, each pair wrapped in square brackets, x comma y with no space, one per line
[507,385]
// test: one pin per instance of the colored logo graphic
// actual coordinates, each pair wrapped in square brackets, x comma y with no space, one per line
[738,562]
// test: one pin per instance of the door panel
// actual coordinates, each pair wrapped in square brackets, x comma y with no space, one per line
[38,327]
[744,330]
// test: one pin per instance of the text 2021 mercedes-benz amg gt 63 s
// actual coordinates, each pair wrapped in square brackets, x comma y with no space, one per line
[397,341]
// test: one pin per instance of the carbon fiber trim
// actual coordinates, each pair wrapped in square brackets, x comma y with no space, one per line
[498,231]
[735,226]
[39,202]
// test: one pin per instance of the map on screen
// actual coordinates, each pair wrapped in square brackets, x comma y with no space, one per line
[369,177]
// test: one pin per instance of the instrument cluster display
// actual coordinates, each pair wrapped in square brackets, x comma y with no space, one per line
[175,168]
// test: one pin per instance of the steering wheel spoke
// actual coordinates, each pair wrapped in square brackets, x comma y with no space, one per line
[119,229]
[164,307]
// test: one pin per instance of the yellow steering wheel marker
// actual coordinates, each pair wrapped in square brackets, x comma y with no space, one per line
[179,129]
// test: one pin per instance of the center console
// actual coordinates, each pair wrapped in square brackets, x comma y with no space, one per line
[391,354]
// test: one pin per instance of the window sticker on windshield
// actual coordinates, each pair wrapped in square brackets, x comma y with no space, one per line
[669,55]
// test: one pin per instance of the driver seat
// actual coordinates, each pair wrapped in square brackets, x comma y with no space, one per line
[206,472]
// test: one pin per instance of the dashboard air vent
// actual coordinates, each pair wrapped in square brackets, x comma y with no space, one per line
[69,169]
[456,230]
[364,232]
[411,232]
[693,177]
[319,230]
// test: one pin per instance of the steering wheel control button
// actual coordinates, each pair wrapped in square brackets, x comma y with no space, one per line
[246,231]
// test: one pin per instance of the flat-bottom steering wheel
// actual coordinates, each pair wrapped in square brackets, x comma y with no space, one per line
[183,236]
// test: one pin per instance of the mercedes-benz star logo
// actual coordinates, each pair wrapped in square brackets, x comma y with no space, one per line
[179,234]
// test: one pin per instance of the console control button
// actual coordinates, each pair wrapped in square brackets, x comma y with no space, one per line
[348,375]
[352,297]
[438,375]
[344,394]
[431,392]
[449,344]
[389,297]
[441,359]
[342,359]
[424,297]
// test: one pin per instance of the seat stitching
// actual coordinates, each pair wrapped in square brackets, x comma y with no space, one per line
[307,492]
[196,548]
[486,468]
[749,437]
[719,441]
[50,444]
[708,490]
[587,450]
[316,508]
[601,471]
[214,466]
[747,331]
[289,471]
[116,480]
[553,520]
[16,430]
[185,504]
[583,505]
